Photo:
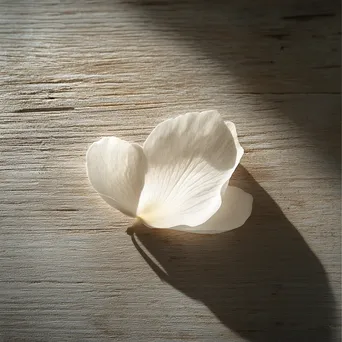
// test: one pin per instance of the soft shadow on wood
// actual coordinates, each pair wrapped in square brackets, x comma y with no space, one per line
[279,47]
[260,280]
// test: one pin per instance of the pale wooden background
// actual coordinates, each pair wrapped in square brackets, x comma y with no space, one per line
[73,71]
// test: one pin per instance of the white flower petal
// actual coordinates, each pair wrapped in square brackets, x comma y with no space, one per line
[116,169]
[239,152]
[235,210]
[190,158]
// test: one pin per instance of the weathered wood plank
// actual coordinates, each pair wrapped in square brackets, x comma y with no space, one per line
[72,72]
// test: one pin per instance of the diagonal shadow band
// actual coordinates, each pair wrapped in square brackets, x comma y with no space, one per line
[261,280]
[271,48]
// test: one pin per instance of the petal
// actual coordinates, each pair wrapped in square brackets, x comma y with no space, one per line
[239,151]
[116,169]
[189,159]
[235,210]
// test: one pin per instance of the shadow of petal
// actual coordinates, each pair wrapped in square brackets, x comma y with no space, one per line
[260,280]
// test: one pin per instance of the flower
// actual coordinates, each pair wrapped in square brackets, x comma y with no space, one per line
[178,179]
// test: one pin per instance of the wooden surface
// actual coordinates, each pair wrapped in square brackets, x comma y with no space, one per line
[74,71]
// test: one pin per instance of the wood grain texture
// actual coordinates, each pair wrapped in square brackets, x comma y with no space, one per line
[74,71]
